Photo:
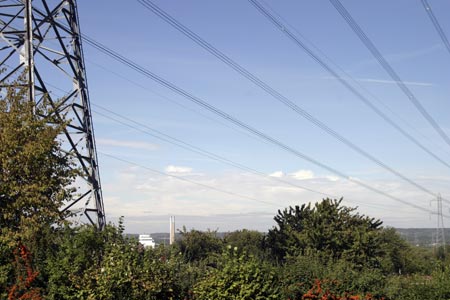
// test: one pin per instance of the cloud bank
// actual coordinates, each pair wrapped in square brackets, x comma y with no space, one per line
[146,200]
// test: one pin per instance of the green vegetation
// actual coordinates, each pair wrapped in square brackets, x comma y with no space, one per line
[320,251]
[328,228]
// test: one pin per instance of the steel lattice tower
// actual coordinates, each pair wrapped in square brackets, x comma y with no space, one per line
[440,229]
[42,38]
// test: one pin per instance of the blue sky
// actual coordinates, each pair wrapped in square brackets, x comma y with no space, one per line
[400,29]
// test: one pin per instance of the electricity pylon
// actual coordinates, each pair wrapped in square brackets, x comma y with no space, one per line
[440,228]
[42,39]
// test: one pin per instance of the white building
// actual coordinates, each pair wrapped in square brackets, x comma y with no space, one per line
[146,240]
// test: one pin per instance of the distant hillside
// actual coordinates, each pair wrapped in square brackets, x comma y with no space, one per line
[424,237]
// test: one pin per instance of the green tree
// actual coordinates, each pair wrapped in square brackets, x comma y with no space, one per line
[196,245]
[302,272]
[238,277]
[299,274]
[34,176]
[329,228]
[34,172]
[400,257]
[250,241]
[73,261]
[88,264]
[418,287]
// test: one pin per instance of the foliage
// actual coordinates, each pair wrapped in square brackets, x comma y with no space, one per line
[34,182]
[75,255]
[239,277]
[399,257]
[351,279]
[250,241]
[418,286]
[34,172]
[89,264]
[334,230]
[338,277]
[300,273]
[6,269]
[24,287]
[196,245]
[323,290]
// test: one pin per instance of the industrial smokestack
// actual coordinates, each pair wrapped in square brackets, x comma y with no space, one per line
[172,230]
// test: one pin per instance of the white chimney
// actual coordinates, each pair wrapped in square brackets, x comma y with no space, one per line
[172,230]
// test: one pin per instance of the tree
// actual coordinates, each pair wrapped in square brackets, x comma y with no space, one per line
[250,241]
[88,264]
[34,176]
[197,245]
[34,172]
[73,261]
[400,257]
[328,228]
[238,277]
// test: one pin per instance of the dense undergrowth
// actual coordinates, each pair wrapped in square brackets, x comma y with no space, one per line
[82,263]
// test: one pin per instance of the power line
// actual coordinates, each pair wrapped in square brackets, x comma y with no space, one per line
[201,184]
[237,122]
[436,24]
[388,68]
[162,97]
[197,39]
[355,81]
[190,147]
[195,149]
[282,27]
[179,143]
[188,180]
[172,100]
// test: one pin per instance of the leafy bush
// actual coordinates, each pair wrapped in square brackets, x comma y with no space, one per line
[418,287]
[328,227]
[300,273]
[338,277]
[238,277]
[196,245]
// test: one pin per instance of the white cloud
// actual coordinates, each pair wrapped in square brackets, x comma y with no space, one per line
[141,195]
[277,174]
[384,81]
[178,169]
[127,144]
[303,174]
[332,178]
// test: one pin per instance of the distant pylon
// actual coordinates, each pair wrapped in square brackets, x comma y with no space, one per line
[440,228]
[42,39]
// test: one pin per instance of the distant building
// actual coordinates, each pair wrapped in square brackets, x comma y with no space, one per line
[146,240]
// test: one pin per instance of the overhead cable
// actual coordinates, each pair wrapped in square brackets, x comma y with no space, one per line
[177,103]
[436,24]
[190,147]
[355,81]
[278,96]
[388,68]
[237,122]
[188,180]
[284,29]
